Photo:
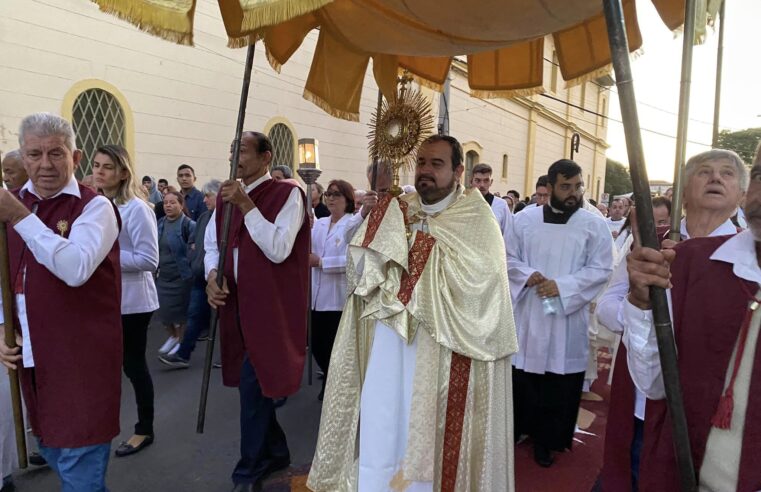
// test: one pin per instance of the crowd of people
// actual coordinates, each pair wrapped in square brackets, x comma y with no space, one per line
[448,322]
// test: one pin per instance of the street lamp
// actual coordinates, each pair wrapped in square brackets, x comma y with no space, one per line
[309,171]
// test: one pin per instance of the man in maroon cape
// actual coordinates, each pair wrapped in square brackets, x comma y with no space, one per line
[262,304]
[714,295]
[65,273]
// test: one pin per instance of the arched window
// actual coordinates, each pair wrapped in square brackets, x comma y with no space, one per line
[282,145]
[471,159]
[98,119]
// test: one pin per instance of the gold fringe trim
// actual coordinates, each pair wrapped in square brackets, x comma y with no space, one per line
[243,41]
[423,82]
[154,21]
[276,65]
[588,77]
[506,94]
[278,11]
[325,106]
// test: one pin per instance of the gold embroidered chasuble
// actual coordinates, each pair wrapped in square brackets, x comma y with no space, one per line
[442,278]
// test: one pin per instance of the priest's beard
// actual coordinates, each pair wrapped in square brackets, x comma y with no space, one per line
[430,192]
[569,206]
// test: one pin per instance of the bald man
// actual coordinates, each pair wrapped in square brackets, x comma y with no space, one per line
[14,174]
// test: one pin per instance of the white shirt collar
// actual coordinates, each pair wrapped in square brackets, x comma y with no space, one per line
[71,188]
[256,183]
[740,251]
[723,230]
[434,208]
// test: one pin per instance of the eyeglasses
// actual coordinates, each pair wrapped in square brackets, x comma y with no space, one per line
[329,194]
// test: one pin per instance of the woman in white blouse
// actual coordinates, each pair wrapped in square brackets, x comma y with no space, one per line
[328,262]
[114,176]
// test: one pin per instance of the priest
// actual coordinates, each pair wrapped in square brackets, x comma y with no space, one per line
[714,298]
[420,373]
[559,258]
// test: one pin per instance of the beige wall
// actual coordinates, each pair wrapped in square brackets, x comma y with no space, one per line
[181,102]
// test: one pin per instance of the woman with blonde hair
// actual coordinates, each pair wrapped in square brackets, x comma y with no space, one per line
[114,176]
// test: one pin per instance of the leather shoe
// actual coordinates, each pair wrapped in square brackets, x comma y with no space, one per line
[126,449]
[543,456]
[247,487]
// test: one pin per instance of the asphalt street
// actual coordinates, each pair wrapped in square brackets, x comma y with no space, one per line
[180,459]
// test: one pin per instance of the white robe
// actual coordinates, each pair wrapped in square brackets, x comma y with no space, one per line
[502,213]
[8,457]
[578,256]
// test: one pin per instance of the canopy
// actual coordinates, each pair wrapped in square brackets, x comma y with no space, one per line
[503,39]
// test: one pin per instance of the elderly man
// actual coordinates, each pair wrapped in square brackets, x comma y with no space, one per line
[66,275]
[14,174]
[714,184]
[714,294]
[262,304]
[418,391]
[616,218]
[281,172]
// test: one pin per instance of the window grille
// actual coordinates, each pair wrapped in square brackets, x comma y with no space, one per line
[98,119]
[282,145]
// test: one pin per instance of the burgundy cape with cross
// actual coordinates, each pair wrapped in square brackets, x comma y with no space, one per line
[709,304]
[73,392]
[265,315]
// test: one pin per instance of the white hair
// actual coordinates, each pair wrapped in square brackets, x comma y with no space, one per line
[212,187]
[716,155]
[13,154]
[47,125]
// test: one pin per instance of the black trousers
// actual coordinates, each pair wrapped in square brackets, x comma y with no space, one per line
[324,329]
[135,334]
[547,406]
[262,440]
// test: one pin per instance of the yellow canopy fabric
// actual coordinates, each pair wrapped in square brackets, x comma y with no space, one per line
[503,39]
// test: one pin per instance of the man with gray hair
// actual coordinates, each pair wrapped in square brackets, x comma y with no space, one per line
[713,290]
[14,174]
[67,283]
[199,310]
[281,172]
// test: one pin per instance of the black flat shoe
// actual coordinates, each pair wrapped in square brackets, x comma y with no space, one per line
[36,459]
[126,449]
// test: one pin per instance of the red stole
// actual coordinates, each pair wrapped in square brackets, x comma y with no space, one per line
[73,392]
[709,304]
[265,313]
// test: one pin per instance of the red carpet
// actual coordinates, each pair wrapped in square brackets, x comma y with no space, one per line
[575,470]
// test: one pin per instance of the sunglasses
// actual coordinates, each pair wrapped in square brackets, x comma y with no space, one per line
[336,194]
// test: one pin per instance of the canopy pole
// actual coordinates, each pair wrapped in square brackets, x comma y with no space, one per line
[688,41]
[10,341]
[719,69]
[619,47]
[228,212]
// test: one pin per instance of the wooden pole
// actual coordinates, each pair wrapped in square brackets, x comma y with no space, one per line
[719,69]
[10,341]
[228,212]
[688,41]
[619,47]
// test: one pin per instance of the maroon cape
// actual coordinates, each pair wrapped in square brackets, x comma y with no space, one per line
[265,315]
[73,392]
[709,304]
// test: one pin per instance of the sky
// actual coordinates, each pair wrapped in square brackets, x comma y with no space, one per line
[657,74]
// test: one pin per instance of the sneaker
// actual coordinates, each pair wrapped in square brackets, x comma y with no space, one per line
[175,349]
[174,361]
[170,343]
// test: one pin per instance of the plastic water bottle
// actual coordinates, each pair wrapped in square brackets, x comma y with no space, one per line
[550,305]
